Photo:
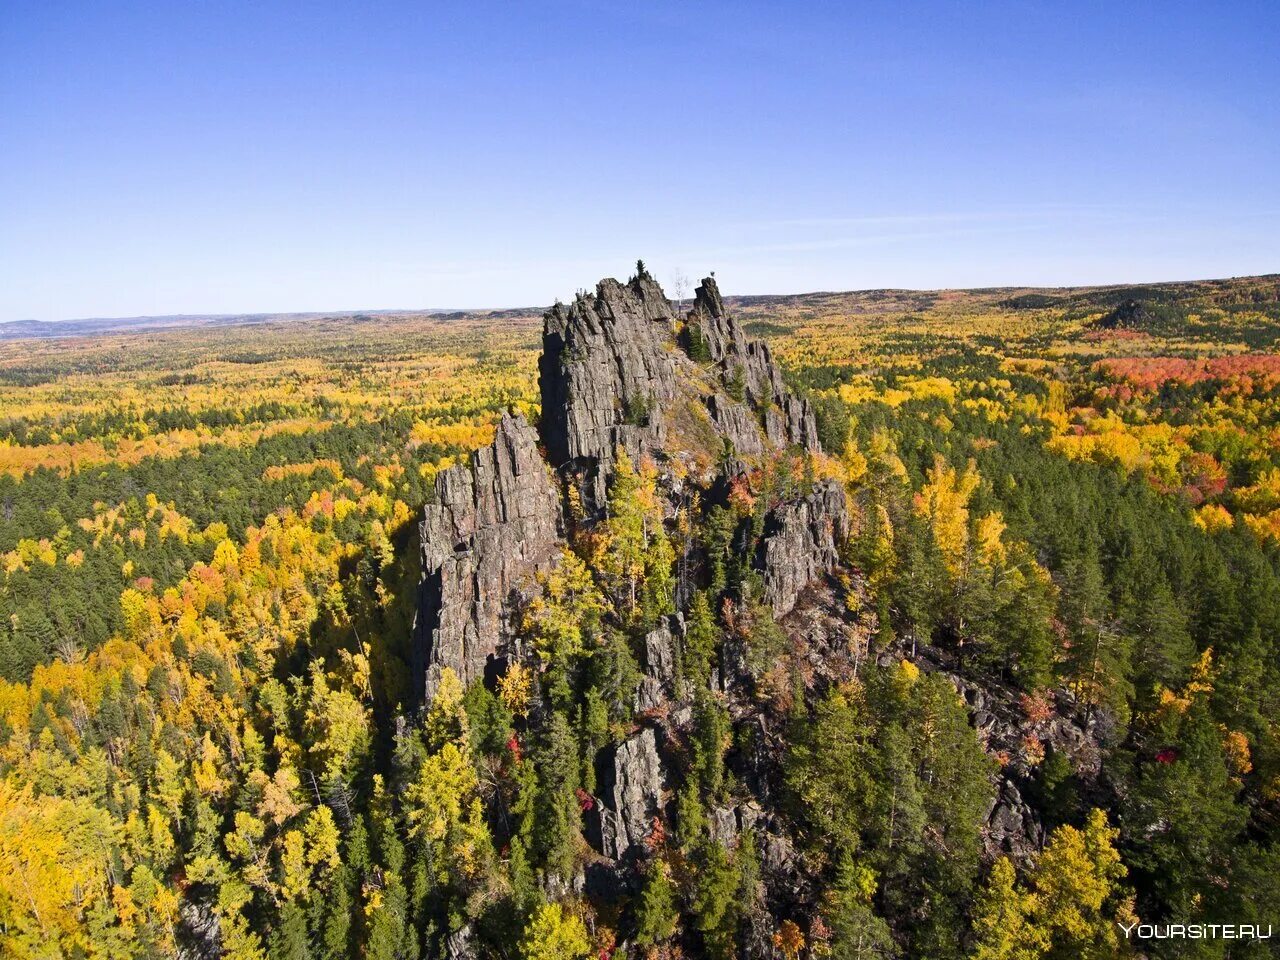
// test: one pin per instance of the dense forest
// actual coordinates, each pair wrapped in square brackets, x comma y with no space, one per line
[1035,701]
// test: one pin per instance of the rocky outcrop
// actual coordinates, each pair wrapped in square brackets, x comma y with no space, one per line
[199,931]
[657,684]
[493,526]
[632,794]
[1006,728]
[788,419]
[606,368]
[621,370]
[1012,827]
[461,945]
[801,543]
[735,423]
[615,374]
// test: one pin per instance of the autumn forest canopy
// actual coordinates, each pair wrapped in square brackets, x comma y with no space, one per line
[943,626]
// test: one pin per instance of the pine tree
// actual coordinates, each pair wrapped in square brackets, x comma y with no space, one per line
[715,906]
[1181,814]
[656,912]
[335,936]
[701,640]
[557,812]
[829,769]
[857,933]
[289,939]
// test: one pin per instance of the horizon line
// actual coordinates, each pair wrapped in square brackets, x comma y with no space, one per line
[341,312]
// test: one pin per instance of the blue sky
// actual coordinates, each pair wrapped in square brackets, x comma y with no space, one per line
[227,157]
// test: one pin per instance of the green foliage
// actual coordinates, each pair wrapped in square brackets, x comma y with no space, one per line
[834,423]
[701,641]
[857,932]
[289,940]
[891,773]
[656,910]
[736,384]
[710,739]
[695,344]
[557,815]
[715,904]
[1182,817]
[637,411]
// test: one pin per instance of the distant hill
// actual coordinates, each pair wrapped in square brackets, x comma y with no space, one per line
[1122,302]
[45,329]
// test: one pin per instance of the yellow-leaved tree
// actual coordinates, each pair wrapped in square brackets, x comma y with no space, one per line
[1070,907]
[944,502]
[442,804]
[635,552]
[554,933]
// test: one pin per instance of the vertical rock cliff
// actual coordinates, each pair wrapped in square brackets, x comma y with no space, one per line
[494,526]
[801,543]
[788,419]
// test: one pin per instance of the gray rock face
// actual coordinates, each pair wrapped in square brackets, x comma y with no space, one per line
[735,422]
[633,797]
[461,944]
[722,824]
[613,375]
[801,543]
[656,685]
[658,681]
[1012,827]
[495,524]
[606,367]
[660,655]
[199,931]
[789,420]
[996,712]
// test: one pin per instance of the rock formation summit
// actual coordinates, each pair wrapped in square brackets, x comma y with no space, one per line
[732,454]
[619,370]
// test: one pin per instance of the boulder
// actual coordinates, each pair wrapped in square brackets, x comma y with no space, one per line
[632,794]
